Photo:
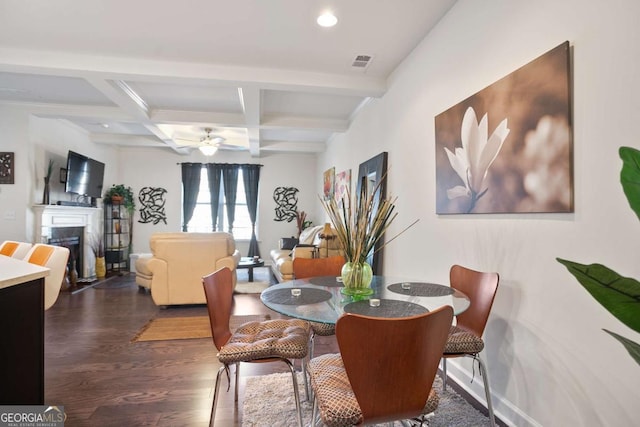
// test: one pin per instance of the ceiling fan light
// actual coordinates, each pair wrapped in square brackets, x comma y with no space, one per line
[208,150]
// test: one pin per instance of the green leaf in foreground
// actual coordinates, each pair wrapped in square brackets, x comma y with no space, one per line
[630,177]
[632,347]
[619,295]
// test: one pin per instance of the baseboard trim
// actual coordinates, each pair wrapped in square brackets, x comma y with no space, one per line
[471,388]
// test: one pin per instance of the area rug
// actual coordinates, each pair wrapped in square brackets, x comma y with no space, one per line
[268,401]
[182,328]
[251,287]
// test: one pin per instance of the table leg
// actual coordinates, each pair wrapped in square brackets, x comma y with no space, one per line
[251,274]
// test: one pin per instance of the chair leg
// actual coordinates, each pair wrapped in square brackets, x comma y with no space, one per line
[306,382]
[444,374]
[216,392]
[311,343]
[314,414]
[237,378]
[296,393]
[487,391]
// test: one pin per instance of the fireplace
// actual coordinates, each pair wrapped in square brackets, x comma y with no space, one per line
[72,226]
[71,238]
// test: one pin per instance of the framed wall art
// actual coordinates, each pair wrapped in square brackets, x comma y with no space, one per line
[508,148]
[343,185]
[329,181]
[7,168]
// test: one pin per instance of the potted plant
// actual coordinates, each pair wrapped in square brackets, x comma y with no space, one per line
[119,194]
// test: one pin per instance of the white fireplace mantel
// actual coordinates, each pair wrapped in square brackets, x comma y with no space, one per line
[54,216]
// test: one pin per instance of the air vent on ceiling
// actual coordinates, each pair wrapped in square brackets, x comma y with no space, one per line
[362,61]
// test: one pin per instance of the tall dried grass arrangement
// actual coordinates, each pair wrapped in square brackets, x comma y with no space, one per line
[360,222]
[97,245]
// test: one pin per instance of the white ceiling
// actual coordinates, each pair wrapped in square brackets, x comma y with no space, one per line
[260,73]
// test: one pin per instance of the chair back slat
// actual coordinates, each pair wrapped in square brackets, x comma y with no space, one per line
[391,363]
[41,254]
[55,258]
[8,248]
[481,289]
[218,289]
[313,267]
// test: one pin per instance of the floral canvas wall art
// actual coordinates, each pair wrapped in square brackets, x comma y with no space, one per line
[329,181]
[343,185]
[508,148]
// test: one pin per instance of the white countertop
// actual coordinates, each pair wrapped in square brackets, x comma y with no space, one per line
[16,271]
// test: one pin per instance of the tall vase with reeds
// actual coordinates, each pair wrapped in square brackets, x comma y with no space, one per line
[97,246]
[360,222]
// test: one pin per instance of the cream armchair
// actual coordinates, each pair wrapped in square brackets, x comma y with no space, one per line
[179,261]
[310,245]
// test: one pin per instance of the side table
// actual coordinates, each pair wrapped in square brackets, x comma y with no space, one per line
[250,263]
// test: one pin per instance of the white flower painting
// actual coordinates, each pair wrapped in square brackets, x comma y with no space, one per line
[517,158]
[471,161]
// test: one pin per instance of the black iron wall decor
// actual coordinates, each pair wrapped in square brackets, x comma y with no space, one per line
[6,168]
[152,201]
[286,199]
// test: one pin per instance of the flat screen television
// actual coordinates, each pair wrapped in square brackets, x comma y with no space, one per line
[84,175]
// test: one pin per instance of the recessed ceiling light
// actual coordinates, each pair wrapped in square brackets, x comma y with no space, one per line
[327,19]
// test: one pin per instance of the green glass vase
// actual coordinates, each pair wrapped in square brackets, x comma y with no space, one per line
[357,277]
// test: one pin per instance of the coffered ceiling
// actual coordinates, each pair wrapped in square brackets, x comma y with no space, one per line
[259,73]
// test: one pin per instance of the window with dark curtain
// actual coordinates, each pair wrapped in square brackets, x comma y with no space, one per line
[190,188]
[251,178]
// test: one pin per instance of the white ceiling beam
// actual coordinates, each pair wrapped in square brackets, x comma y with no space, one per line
[292,122]
[65,110]
[125,140]
[251,101]
[254,141]
[121,95]
[289,146]
[128,100]
[198,118]
[119,68]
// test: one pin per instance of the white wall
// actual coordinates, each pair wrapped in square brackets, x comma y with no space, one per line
[550,363]
[159,168]
[34,141]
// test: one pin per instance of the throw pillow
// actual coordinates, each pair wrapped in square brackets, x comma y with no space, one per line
[288,243]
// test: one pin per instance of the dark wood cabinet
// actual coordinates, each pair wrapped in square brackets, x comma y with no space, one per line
[22,349]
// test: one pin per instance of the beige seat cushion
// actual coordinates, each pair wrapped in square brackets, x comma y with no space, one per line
[287,338]
[462,341]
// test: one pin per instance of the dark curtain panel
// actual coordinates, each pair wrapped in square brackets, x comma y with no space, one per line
[251,178]
[230,179]
[190,188]
[213,174]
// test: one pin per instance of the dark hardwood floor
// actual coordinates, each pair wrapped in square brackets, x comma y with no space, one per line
[102,379]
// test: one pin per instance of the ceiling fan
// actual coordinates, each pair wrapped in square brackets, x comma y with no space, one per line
[209,144]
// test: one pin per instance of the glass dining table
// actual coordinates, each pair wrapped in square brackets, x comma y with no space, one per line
[319,299]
